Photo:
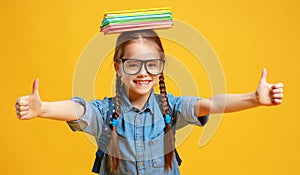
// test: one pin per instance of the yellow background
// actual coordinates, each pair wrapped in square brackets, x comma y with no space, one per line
[44,39]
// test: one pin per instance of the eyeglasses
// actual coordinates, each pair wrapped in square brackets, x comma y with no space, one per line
[133,66]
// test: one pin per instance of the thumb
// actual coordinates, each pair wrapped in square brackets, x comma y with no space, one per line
[264,75]
[35,86]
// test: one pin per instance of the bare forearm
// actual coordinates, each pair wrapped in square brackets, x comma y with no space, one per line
[225,103]
[66,110]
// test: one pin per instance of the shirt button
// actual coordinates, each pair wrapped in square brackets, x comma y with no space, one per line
[136,109]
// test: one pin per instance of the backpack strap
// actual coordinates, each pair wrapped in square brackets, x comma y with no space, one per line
[106,129]
[98,160]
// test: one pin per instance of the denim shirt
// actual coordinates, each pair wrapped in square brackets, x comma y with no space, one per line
[140,132]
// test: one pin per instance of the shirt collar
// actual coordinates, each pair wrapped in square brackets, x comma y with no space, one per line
[126,106]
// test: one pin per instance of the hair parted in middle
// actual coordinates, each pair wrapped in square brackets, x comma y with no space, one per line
[123,40]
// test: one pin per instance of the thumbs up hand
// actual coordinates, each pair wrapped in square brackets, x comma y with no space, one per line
[30,106]
[269,94]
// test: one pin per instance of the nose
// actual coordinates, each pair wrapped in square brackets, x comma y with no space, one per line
[143,70]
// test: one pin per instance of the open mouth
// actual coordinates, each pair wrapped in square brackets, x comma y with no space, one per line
[142,82]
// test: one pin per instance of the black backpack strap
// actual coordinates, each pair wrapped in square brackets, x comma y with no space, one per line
[104,137]
[98,160]
[178,159]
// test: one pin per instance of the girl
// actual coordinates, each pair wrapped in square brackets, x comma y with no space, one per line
[140,136]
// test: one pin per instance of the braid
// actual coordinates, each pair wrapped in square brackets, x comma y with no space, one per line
[118,91]
[114,141]
[168,137]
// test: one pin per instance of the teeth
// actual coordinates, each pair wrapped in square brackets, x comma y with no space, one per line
[142,82]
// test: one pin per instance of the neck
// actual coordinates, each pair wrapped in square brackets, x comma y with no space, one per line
[137,100]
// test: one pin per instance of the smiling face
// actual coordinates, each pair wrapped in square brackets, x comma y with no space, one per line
[140,84]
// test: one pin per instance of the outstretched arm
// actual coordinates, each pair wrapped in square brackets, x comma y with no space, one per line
[31,106]
[265,95]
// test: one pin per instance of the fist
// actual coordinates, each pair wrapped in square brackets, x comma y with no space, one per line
[29,106]
[269,94]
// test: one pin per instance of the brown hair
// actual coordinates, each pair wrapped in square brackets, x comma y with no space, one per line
[123,40]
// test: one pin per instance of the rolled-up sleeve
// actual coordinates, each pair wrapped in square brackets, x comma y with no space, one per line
[92,120]
[184,109]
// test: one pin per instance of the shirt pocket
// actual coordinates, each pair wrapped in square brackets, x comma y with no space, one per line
[157,152]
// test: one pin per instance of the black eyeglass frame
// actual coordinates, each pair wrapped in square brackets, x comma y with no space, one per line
[143,63]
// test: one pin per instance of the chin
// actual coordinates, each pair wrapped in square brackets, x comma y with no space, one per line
[141,90]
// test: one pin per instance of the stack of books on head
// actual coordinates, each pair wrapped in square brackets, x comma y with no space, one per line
[121,21]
